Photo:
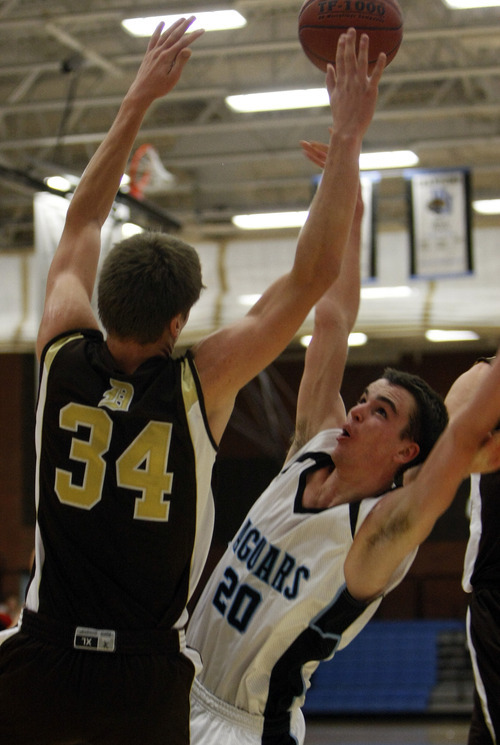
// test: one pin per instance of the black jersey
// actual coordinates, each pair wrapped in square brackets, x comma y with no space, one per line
[482,579]
[482,559]
[124,506]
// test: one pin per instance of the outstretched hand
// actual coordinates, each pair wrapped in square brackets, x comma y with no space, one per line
[353,92]
[167,53]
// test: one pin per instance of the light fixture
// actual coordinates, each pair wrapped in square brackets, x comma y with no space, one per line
[389,159]
[355,339]
[248,300]
[376,293]
[467,4]
[278,100]
[270,220]
[443,335]
[130,228]
[216,20]
[60,183]
[487,206]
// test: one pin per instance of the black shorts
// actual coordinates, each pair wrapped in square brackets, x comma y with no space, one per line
[484,644]
[52,694]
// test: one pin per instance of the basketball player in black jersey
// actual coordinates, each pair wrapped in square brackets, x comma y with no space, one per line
[481,579]
[126,435]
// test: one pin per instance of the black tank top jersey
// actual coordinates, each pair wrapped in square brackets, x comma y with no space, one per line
[124,507]
[486,571]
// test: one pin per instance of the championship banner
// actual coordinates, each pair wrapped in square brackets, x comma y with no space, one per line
[439,215]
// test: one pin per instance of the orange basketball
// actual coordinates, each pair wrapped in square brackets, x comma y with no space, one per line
[321,23]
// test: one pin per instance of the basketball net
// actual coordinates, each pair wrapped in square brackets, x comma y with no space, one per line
[147,172]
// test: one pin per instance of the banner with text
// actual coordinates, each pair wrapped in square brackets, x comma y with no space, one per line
[439,215]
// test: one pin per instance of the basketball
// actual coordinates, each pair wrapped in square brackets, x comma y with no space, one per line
[322,22]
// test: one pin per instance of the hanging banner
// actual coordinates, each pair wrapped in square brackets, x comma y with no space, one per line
[368,228]
[439,215]
[368,255]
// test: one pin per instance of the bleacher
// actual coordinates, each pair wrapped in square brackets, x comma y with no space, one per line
[396,667]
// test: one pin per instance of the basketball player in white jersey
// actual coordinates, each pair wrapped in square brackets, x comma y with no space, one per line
[328,538]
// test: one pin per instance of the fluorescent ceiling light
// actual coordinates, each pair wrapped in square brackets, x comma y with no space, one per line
[266,220]
[60,183]
[356,339]
[487,206]
[440,335]
[130,228]
[248,299]
[389,159]
[217,20]
[70,182]
[376,293]
[278,100]
[466,4]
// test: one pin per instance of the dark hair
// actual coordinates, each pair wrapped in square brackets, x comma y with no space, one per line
[145,281]
[429,417]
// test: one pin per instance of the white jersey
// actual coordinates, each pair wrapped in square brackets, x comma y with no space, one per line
[276,604]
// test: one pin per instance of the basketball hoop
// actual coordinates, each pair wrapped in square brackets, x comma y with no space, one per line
[147,172]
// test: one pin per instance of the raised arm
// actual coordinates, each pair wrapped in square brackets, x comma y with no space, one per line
[487,459]
[403,519]
[228,359]
[319,404]
[72,274]
[465,386]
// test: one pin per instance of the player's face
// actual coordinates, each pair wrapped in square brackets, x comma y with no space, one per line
[372,432]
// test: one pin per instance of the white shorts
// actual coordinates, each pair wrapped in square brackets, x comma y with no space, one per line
[215,722]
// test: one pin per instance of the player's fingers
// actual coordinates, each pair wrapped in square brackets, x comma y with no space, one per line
[310,151]
[322,146]
[176,33]
[181,59]
[363,52]
[339,59]
[379,68]
[175,42]
[170,34]
[307,147]
[350,48]
[331,79]
[188,39]
[156,35]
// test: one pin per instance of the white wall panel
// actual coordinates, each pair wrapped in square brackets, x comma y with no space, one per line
[246,267]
